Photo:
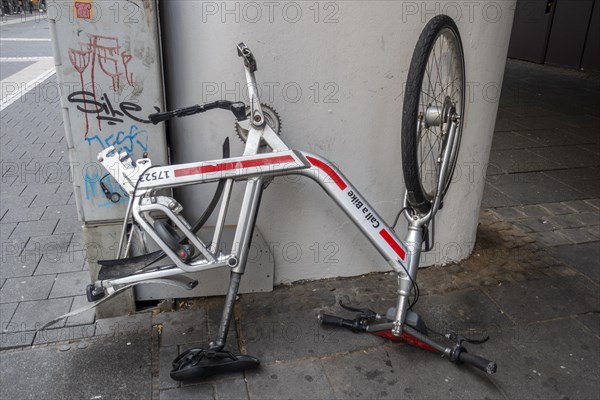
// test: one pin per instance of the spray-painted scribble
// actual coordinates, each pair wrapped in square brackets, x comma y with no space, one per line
[105,52]
[105,109]
[134,141]
[93,189]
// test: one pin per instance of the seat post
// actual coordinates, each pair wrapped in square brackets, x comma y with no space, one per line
[241,246]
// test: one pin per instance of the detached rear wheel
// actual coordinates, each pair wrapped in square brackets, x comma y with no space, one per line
[434,94]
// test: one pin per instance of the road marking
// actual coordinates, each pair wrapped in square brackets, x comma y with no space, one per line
[35,17]
[25,39]
[19,59]
[17,85]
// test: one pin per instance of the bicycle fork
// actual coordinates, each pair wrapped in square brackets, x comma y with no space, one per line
[414,241]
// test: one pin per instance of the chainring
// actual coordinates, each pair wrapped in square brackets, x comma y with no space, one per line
[271,117]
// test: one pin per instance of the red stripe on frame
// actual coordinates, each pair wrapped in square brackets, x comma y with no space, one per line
[226,166]
[329,171]
[393,244]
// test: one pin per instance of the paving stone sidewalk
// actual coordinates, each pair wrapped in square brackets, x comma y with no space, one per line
[532,282]
[541,314]
[42,265]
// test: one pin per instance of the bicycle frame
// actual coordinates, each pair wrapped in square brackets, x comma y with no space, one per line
[142,181]
[257,167]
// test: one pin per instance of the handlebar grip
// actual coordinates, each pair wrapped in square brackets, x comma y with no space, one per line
[478,362]
[160,117]
[326,319]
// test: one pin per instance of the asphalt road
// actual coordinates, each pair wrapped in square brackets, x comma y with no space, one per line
[25,56]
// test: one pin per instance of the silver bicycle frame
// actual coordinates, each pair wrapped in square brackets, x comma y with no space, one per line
[142,181]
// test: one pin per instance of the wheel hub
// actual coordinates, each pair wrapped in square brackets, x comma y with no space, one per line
[436,115]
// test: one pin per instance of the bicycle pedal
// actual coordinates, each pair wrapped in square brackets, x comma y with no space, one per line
[196,364]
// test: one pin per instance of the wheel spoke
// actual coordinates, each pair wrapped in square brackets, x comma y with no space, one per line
[442,84]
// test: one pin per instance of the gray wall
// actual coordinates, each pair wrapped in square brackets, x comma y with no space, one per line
[357,54]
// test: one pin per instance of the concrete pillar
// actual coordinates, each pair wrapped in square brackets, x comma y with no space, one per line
[335,71]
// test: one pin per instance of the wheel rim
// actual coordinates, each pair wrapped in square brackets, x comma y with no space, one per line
[441,90]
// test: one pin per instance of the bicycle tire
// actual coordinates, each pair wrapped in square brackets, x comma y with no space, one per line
[414,108]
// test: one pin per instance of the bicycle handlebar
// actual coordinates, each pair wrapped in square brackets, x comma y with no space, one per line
[478,362]
[326,319]
[237,108]
[457,354]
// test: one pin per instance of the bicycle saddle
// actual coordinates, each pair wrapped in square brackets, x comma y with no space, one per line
[196,363]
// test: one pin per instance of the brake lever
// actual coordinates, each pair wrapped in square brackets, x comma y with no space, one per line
[363,312]
[459,339]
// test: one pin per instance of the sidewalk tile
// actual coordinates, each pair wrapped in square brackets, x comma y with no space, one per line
[70,284]
[288,329]
[86,317]
[65,334]
[36,150]
[584,180]
[7,310]
[12,339]
[49,246]
[557,208]
[25,230]
[580,206]
[584,257]
[505,140]
[68,225]
[554,137]
[509,213]
[547,360]
[592,321]
[53,199]
[303,379]
[593,203]
[23,214]
[26,288]
[57,263]
[533,188]
[542,224]
[111,368]
[231,389]
[166,355]
[589,218]
[533,210]
[579,235]
[6,229]
[138,324]
[31,315]
[182,327]
[196,392]
[59,212]
[461,311]
[493,197]
[12,266]
[40,188]
[566,221]
[568,156]
[12,201]
[521,160]
[544,299]
[398,372]
[552,238]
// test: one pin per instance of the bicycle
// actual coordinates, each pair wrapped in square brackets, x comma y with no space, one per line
[431,131]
